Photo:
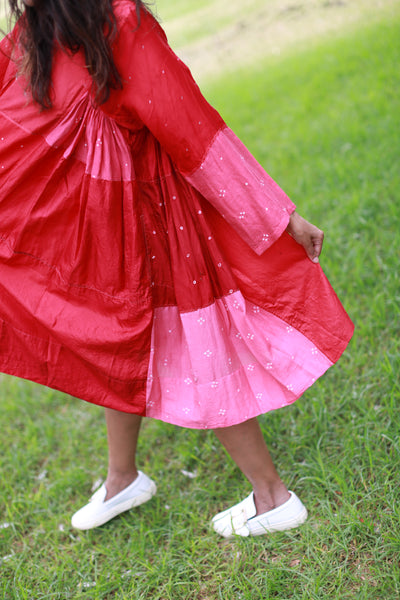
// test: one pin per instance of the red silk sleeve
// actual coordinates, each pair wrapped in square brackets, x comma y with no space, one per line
[159,91]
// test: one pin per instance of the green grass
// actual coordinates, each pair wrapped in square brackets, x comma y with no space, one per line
[325,124]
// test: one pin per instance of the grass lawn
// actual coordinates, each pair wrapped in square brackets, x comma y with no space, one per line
[325,124]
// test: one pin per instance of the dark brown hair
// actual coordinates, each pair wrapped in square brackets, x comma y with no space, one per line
[87,25]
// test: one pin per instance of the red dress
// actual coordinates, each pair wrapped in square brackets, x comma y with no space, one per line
[144,263]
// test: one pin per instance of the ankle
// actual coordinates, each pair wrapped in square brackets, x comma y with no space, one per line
[270,496]
[118,480]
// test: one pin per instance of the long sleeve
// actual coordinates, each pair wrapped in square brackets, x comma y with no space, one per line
[159,90]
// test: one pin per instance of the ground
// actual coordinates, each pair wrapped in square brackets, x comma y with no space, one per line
[213,36]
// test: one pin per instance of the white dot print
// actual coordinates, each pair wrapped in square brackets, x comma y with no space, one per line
[208,353]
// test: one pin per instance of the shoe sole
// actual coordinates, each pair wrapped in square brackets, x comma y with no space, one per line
[118,509]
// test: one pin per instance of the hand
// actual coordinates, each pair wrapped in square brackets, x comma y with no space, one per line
[306,234]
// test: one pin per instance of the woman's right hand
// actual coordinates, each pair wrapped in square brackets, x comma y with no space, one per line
[306,234]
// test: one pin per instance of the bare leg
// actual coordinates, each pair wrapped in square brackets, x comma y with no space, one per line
[246,446]
[122,433]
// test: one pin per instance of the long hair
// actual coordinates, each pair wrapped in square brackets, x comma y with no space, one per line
[87,25]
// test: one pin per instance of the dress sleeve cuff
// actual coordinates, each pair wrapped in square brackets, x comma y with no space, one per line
[236,185]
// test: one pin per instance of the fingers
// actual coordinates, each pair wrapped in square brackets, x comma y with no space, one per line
[312,252]
[316,247]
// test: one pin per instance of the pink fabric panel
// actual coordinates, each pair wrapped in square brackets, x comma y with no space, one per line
[238,187]
[95,140]
[225,363]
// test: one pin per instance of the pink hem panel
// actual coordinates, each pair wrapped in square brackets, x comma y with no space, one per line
[238,187]
[225,363]
[95,140]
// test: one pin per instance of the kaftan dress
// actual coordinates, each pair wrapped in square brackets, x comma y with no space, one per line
[144,264]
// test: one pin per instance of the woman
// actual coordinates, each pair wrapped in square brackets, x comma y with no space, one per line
[144,262]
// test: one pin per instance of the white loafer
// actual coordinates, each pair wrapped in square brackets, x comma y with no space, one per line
[98,511]
[241,519]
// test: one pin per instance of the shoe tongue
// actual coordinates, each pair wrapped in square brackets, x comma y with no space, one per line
[249,506]
[99,495]
[241,513]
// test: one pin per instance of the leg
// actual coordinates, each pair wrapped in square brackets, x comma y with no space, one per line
[122,434]
[246,446]
[124,487]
